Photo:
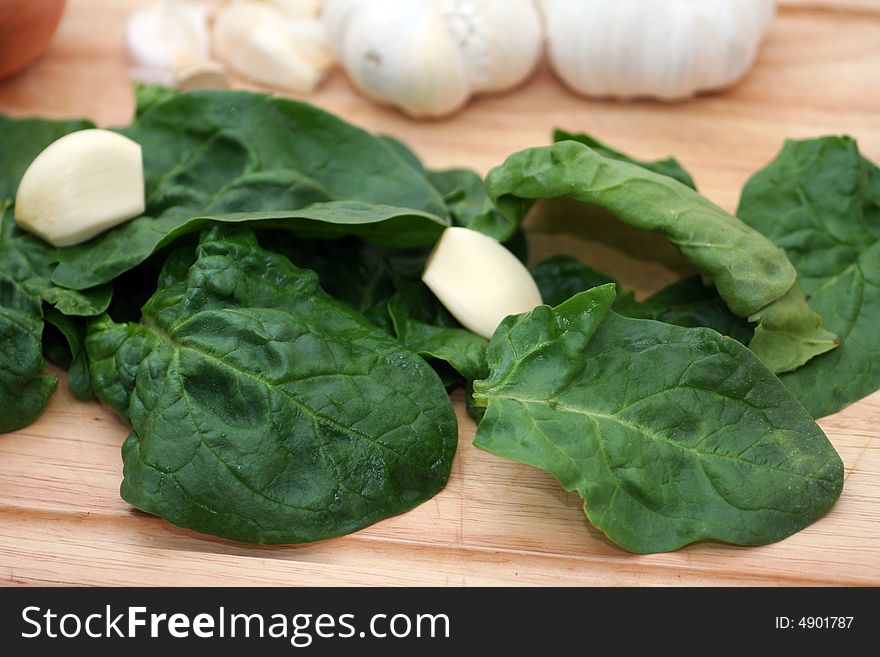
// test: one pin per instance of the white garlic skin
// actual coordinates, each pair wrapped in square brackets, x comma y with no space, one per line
[428,57]
[81,185]
[478,280]
[665,49]
[166,36]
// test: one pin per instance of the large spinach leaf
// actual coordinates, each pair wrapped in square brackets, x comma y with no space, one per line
[118,251]
[749,272]
[219,153]
[671,435]
[385,286]
[263,410]
[820,201]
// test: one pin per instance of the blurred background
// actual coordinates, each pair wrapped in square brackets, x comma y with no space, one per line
[816,70]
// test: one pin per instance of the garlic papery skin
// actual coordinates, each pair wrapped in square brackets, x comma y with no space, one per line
[478,280]
[81,185]
[428,57]
[258,41]
[166,36]
[666,49]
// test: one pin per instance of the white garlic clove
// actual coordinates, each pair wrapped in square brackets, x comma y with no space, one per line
[257,41]
[165,36]
[208,75]
[311,42]
[478,280]
[81,185]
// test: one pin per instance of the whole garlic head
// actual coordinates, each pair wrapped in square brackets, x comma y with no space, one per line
[429,56]
[667,49]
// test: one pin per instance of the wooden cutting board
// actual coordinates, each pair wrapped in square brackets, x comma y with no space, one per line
[62,520]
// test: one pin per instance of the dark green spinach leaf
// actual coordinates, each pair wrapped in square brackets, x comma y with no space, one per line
[70,356]
[820,201]
[688,302]
[671,435]
[24,388]
[263,410]
[464,351]
[217,154]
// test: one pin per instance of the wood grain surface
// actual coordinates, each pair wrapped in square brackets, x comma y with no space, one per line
[62,520]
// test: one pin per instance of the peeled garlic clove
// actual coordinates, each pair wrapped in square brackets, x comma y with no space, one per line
[208,75]
[311,42]
[478,280]
[165,36]
[256,40]
[81,185]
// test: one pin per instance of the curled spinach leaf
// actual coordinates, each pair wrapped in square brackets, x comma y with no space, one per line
[749,272]
[746,268]
[263,410]
[668,167]
[671,435]
[820,201]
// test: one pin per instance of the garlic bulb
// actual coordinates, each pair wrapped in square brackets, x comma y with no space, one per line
[165,37]
[668,49]
[81,185]
[429,56]
[478,280]
[260,42]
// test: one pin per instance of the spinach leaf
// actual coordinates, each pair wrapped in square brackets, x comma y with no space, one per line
[118,251]
[560,277]
[462,350]
[263,410]
[668,167]
[692,304]
[748,271]
[24,389]
[820,201]
[671,435]
[220,154]
[72,355]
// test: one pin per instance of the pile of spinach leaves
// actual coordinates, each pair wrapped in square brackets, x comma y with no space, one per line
[264,329]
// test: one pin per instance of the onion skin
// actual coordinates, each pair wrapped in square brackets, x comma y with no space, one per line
[26,26]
